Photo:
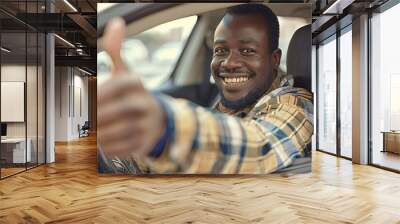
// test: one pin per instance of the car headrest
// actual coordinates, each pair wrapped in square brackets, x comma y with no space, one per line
[298,59]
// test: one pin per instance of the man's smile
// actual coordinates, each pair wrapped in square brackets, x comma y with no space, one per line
[234,81]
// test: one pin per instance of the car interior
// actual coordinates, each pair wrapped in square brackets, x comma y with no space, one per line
[191,76]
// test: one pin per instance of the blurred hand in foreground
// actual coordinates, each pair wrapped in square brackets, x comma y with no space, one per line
[130,119]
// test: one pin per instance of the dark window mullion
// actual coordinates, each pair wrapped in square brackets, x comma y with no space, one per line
[37,90]
[317,96]
[26,86]
[369,98]
[338,95]
[45,88]
[0,97]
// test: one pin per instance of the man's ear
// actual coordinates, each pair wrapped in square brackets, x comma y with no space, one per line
[276,58]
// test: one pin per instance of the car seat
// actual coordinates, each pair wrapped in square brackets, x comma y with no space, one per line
[298,63]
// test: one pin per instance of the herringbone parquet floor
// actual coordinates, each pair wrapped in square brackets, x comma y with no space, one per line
[71,191]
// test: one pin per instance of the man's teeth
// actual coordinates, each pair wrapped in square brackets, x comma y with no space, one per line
[236,80]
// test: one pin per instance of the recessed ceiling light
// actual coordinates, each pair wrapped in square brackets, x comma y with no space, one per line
[64,40]
[84,71]
[337,7]
[70,5]
[5,50]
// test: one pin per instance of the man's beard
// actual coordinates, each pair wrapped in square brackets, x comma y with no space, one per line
[245,101]
[251,97]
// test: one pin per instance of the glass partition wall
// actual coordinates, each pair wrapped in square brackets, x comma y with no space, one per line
[385,89]
[345,90]
[334,94]
[334,105]
[22,77]
[326,91]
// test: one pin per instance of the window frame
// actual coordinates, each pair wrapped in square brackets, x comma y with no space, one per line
[44,41]
[337,27]
[378,10]
[172,76]
[333,37]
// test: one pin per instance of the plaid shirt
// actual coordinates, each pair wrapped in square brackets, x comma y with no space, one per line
[259,139]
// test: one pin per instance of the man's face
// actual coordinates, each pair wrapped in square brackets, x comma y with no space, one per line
[243,65]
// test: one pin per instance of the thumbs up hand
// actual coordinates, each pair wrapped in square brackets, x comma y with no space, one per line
[130,119]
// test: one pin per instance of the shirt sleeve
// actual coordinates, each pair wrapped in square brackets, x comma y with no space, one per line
[201,141]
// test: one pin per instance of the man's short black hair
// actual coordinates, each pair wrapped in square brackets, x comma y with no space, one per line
[270,19]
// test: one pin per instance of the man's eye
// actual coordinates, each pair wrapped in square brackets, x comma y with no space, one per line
[248,51]
[219,51]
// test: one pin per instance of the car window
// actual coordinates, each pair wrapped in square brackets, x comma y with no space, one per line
[153,53]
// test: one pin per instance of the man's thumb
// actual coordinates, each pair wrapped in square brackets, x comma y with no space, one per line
[112,42]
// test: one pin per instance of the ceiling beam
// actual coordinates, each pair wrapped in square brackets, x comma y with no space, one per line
[84,24]
[82,61]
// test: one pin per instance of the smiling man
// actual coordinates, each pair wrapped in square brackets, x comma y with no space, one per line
[261,124]
[246,55]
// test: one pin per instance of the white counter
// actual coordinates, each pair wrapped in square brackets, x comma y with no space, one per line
[19,149]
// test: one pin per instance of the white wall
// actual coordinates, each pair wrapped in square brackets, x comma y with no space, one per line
[33,126]
[61,103]
[71,94]
[15,73]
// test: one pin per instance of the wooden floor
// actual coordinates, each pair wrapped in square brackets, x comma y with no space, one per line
[10,171]
[71,191]
[386,159]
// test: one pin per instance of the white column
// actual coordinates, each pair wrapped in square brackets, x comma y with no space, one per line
[50,99]
[50,93]
[314,91]
[360,90]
